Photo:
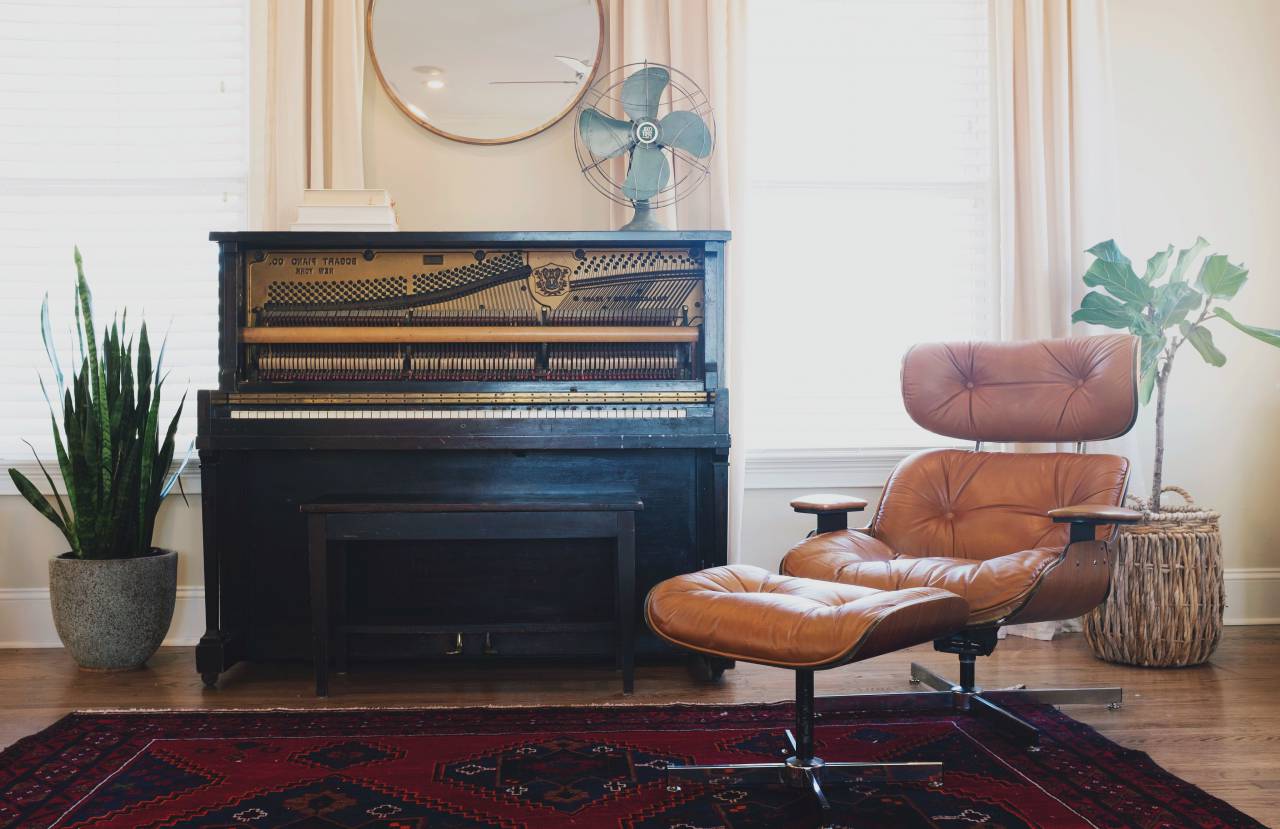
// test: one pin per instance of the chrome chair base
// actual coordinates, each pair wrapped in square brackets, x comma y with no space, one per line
[986,703]
[811,774]
[802,769]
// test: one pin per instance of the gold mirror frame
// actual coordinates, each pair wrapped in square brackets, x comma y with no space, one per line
[403,107]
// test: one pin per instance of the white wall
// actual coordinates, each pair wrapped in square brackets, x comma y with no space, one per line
[1199,125]
[1199,122]
[440,184]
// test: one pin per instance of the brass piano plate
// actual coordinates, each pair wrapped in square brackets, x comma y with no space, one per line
[504,286]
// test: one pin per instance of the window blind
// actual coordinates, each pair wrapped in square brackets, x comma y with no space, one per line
[123,129]
[870,201]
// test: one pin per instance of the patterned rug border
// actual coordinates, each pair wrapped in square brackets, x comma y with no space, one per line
[1057,726]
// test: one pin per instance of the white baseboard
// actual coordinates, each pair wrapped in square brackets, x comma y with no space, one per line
[1253,595]
[1253,598]
[27,622]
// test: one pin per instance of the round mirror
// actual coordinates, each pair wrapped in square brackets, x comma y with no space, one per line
[485,71]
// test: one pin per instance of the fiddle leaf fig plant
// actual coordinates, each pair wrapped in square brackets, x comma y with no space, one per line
[1165,312]
[113,458]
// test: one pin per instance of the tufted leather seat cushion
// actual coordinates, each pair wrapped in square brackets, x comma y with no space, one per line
[1078,388]
[977,524]
[992,588]
[747,613]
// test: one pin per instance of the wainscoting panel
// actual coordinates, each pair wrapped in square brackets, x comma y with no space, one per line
[1253,598]
[26,621]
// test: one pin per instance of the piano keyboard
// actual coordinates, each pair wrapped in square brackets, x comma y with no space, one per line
[523,413]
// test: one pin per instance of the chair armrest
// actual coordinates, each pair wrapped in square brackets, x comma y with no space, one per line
[1094,514]
[1086,518]
[825,502]
[832,510]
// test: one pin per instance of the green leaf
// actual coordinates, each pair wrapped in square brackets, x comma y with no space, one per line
[1108,252]
[1149,364]
[1270,336]
[36,499]
[1146,385]
[1119,280]
[46,335]
[102,417]
[1156,265]
[1221,279]
[176,477]
[1147,329]
[1173,301]
[1202,339]
[1099,309]
[69,481]
[1185,258]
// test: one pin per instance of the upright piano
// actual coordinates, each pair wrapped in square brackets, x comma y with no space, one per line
[394,364]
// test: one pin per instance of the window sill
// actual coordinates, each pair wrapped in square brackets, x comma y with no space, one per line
[190,477]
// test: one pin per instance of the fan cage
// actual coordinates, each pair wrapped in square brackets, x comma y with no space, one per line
[681,93]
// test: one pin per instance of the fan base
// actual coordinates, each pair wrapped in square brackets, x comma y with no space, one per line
[644,219]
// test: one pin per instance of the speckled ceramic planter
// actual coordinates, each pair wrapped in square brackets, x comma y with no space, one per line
[112,614]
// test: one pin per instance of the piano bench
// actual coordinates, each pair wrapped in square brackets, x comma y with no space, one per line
[424,518]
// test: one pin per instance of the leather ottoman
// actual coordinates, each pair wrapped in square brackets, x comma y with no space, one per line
[746,613]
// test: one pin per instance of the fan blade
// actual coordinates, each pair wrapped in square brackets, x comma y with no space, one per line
[641,92]
[647,174]
[685,130]
[605,137]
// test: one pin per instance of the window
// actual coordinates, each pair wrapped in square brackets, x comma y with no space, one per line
[871,207]
[123,129]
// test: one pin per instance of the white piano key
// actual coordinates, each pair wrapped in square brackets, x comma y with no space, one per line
[463,413]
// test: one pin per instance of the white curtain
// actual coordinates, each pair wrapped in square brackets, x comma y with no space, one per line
[704,39]
[314,93]
[1055,159]
[1056,167]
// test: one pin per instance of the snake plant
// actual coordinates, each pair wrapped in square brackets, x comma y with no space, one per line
[113,463]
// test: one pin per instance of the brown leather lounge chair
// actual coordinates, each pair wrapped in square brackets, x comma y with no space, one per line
[1018,536]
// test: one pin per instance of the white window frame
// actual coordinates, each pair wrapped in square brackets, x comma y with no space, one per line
[852,467]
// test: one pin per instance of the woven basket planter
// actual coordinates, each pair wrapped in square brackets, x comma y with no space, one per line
[1166,601]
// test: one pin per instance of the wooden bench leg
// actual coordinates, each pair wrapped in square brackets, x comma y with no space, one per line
[626,598]
[319,566]
[340,643]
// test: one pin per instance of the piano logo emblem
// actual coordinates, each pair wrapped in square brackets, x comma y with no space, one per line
[552,280]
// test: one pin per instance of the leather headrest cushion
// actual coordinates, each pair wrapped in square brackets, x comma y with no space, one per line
[1074,389]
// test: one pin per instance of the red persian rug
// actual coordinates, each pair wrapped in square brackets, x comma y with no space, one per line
[535,768]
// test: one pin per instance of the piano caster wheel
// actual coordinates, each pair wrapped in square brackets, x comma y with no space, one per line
[456,650]
[707,669]
[488,648]
[210,681]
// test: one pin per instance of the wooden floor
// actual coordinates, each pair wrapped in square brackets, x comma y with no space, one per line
[1217,725]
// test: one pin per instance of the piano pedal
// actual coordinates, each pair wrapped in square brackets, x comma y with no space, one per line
[456,650]
[489,649]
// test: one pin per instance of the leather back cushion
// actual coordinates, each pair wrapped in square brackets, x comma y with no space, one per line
[1080,388]
[961,504]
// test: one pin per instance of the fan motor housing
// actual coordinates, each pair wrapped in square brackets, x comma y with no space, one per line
[646,132]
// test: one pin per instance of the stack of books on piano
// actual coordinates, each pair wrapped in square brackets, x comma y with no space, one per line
[360,210]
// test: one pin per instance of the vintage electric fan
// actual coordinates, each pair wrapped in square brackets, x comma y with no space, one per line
[645,136]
